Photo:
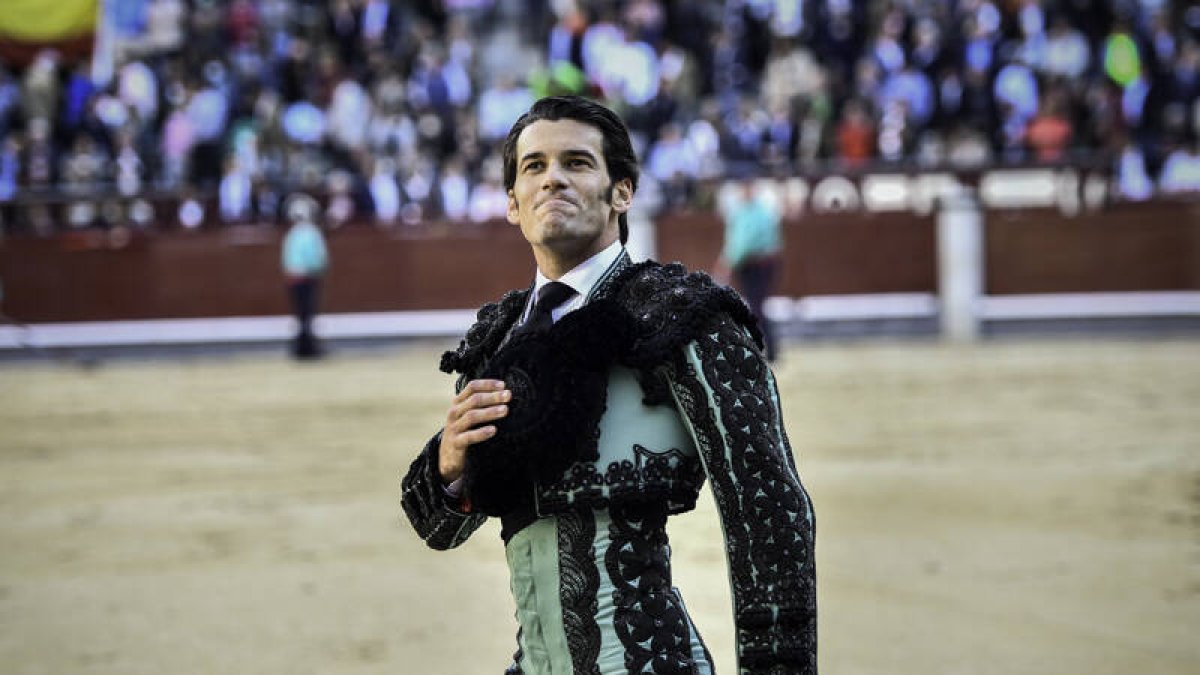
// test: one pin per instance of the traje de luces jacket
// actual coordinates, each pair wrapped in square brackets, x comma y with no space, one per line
[680,342]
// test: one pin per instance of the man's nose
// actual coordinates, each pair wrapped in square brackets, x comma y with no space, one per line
[555,176]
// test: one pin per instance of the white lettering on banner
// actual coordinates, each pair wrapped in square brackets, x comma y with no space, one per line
[1069,189]
[835,194]
[1010,188]
[886,192]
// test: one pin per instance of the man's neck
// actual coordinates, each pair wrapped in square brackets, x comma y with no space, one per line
[554,264]
[583,276]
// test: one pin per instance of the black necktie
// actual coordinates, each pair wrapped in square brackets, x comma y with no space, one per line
[549,297]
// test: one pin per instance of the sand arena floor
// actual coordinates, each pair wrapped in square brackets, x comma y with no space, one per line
[1003,509]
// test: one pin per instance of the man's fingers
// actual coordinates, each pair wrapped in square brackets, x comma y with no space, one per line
[490,398]
[477,387]
[477,401]
[466,422]
[478,435]
[480,415]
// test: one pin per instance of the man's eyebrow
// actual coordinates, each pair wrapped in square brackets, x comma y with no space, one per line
[536,154]
[569,152]
[579,152]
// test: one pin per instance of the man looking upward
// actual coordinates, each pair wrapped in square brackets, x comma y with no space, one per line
[592,406]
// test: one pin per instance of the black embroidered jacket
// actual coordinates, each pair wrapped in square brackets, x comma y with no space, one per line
[693,345]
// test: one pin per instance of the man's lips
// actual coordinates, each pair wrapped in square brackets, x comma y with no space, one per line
[556,201]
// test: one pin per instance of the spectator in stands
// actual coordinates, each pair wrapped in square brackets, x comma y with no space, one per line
[190,213]
[500,105]
[1049,134]
[385,192]
[911,87]
[1184,82]
[602,41]
[40,88]
[672,162]
[305,262]
[10,101]
[10,175]
[816,117]
[1121,56]
[178,138]
[1030,48]
[1017,97]
[454,190]
[376,19]
[1133,180]
[41,156]
[897,134]
[705,141]
[235,200]
[341,207]
[83,168]
[393,132]
[208,110]
[165,26]
[348,115]
[40,163]
[780,139]
[680,71]
[77,94]
[129,168]
[138,89]
[855,135]
[745,130]
[304,123]
[402,79]
[928,46]
[266,196]
[791,72]
[1067,54]
[107,115]
[1181,171]
[886,50]
[489,200]
[645,19]
[10,168]
[438,84]
[241,21]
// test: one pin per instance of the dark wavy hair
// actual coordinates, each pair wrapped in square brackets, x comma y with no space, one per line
[619,157]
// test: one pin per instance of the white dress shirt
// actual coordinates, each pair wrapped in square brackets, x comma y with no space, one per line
[583,277]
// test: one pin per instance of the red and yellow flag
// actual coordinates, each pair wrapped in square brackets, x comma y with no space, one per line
[28,26]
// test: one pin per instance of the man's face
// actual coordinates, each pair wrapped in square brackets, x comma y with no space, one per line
[563,198]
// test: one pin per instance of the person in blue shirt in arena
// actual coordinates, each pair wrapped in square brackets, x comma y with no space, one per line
[305,261]
[750,256]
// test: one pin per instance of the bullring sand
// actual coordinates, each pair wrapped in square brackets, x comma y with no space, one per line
[999,509]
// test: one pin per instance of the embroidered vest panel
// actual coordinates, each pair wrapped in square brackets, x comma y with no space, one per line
[645,455]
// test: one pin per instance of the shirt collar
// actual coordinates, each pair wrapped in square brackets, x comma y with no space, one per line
[586,274]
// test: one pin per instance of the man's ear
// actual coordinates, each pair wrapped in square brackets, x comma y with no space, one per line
[622,195]
[514,210]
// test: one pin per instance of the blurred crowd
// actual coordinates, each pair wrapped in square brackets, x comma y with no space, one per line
[394,111]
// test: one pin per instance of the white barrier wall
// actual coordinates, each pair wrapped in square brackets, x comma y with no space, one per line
[960,265]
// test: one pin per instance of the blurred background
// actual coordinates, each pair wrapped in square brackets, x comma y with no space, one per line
[149,147]
[988,299]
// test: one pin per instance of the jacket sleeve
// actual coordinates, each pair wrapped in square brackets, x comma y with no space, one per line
[728,398]
[435,519]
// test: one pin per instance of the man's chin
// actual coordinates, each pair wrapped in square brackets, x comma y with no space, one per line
[555,225]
